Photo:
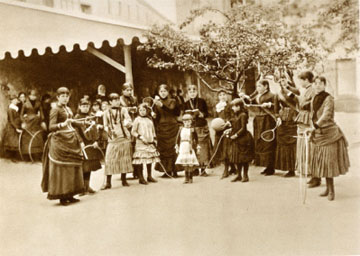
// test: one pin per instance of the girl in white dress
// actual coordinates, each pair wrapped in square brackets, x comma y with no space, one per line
[186,144]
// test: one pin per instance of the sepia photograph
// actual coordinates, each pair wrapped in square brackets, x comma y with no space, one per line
[179,127]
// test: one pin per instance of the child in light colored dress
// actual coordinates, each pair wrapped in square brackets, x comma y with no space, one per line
[186,147]
[145,146]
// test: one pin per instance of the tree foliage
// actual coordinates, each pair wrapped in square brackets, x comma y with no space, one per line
[250,36]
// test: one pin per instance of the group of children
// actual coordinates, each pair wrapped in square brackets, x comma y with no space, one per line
[130,137]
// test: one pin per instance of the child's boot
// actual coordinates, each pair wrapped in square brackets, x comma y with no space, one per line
[331,195]
[149,177]
[226,171]
[246,170]
[108,183]
[190,177]
[186,177]
[141,176]
[123,180]
[238,172]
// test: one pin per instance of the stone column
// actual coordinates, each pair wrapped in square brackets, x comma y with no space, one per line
[128,64]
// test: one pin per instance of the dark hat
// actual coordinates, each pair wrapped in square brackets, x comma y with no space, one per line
[62,90]
[97,102]
[84,101]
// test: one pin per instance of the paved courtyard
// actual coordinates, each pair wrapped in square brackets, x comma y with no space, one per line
[209,217]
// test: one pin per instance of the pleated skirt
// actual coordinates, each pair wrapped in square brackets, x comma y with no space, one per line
[118,157]
[330,160]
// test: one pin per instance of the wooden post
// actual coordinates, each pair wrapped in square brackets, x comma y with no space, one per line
[128,64]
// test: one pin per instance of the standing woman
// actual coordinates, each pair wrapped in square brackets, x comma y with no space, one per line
[264,120]
[13,129]
[286,111]
[198,107]
[63,157]
[127,100]
[303,122]
[329,146]
[32,118]
[166,113]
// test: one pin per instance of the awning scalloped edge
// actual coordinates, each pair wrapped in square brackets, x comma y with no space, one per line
[55,49]
[32,30]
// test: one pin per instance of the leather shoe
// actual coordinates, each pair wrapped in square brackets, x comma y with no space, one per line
[73,200]
[106,186]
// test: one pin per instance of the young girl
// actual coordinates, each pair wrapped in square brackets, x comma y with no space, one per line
[145,148]
[118,153]
[186,147]
[90,136]
[63,155]
[198,107]
[223,111]
[127,100]
[240,143]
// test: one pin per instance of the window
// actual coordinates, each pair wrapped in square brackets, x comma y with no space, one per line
[85,8]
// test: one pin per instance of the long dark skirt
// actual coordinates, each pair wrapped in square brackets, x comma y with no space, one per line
[62,166]
[93,162]
[240,150]
[329,153]
[285,156]
[11,138]
[264,151]
[166,134]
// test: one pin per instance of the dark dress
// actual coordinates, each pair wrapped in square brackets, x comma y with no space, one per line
[62,158]
[263,121]
[329,147]
[241,149]
[223,112]
[285,109]
[202,129]
[167,127]
[89,135]
[31,115]
[11,136]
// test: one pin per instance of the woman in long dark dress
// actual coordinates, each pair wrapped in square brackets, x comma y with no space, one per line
[198,108]
[285,109]
[12,129]
[32,118]
[264,120]
[166,111]
[63,155]
[329,146]
[303,122]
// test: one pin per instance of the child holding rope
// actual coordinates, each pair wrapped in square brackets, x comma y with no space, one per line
[90,136]
[186,144]
[118,157]
[240,149]
[143,130]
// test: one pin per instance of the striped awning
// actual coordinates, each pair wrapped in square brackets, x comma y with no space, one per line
[25,27]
